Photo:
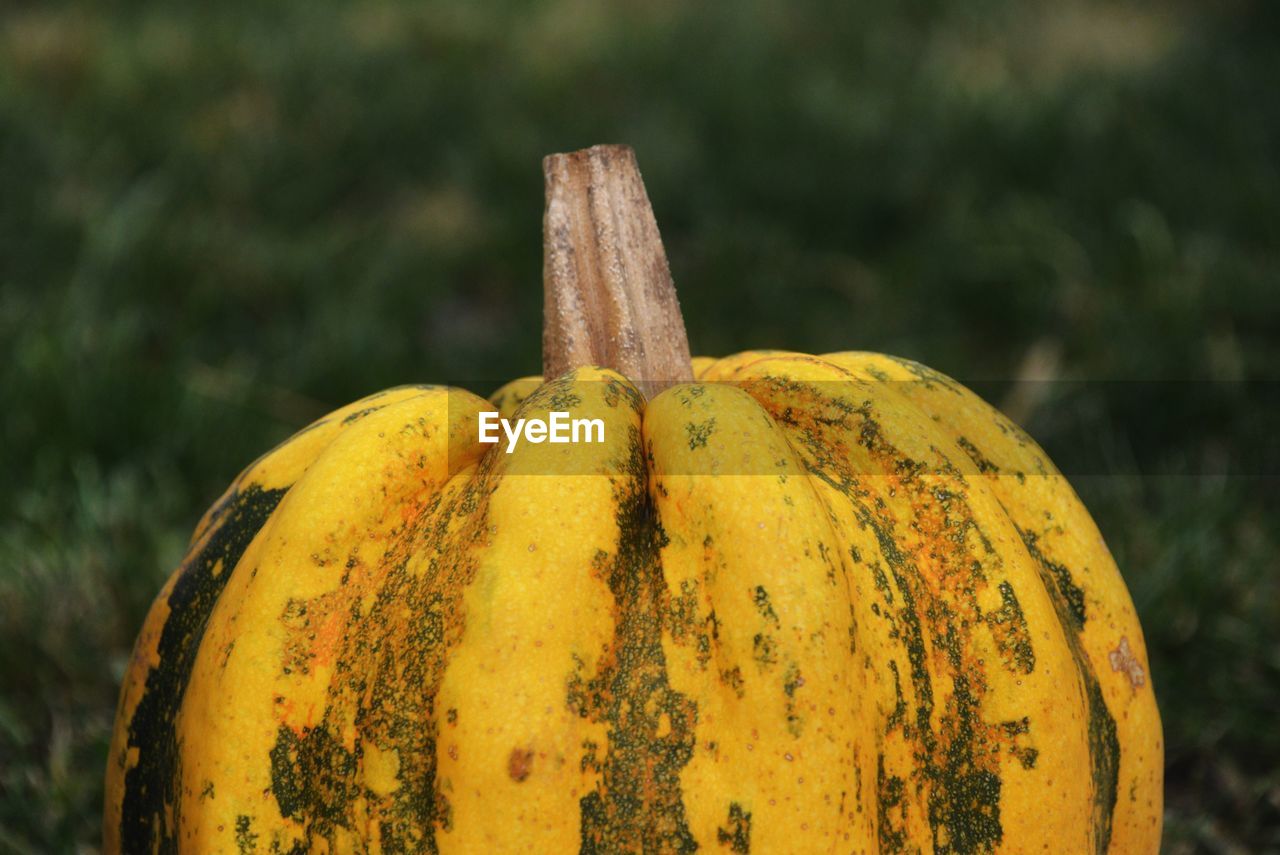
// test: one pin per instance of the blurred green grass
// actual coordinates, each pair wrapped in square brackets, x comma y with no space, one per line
[216,222]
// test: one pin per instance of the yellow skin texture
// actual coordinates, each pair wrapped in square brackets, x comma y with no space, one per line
[805,604]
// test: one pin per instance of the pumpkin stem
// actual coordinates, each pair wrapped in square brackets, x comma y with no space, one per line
[608,295]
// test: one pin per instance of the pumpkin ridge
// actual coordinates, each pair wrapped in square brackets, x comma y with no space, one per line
[386,689]
[1068,602]
[280,616]
[1008,477]
[517,750]
[964,815]
[281,467]
[761,633]
[1104,744]
[150,789]
[965,812]
[639,804]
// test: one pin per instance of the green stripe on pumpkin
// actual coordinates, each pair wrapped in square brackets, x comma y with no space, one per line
[1104,743]
[638,806]
[149,812]
[386,677]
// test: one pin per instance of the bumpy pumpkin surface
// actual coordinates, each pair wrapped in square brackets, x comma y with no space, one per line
[802,604]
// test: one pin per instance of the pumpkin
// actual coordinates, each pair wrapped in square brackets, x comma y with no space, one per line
[789,603]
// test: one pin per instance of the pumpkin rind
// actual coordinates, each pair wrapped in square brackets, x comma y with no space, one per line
[803,604]
[143,754]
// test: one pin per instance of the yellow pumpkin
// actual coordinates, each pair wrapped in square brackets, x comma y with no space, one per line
[788,604]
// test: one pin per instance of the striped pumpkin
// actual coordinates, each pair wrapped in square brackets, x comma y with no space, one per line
[789,604]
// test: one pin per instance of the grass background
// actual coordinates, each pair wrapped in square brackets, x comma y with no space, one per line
[218,221]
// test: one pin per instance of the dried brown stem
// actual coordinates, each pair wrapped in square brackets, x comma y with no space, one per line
[609,299]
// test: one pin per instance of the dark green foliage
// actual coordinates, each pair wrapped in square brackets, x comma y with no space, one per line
[219,220]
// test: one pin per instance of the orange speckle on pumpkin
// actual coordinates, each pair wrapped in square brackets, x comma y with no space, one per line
[520,764]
